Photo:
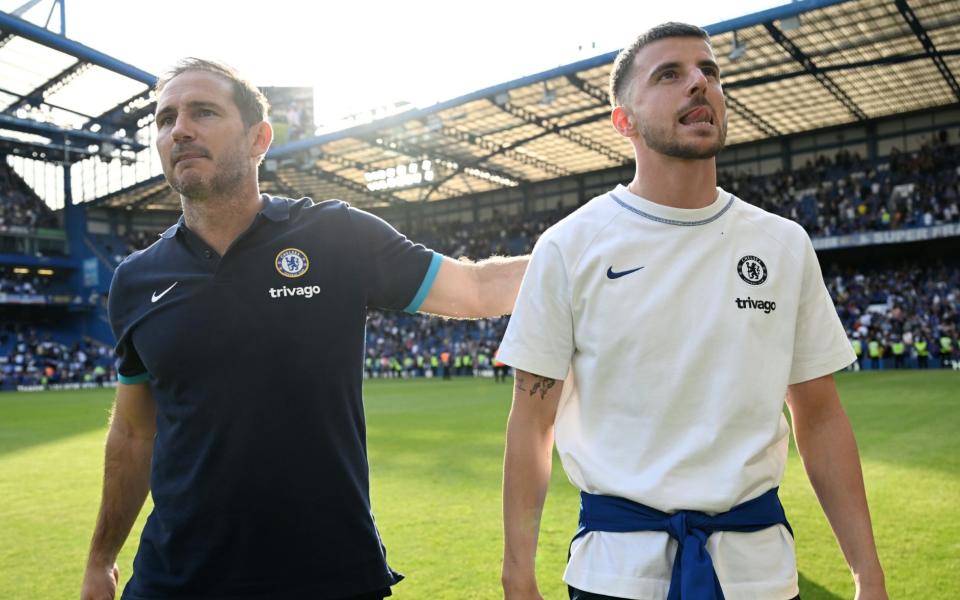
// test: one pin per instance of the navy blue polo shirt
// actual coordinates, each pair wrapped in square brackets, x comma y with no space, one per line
[259,475]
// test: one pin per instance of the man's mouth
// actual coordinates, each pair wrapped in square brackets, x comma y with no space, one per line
[188,155]
[700,114]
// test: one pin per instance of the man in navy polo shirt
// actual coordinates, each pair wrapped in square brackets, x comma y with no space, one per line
[240,355]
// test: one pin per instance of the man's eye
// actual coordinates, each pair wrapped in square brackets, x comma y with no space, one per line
[668,75]
[164,121]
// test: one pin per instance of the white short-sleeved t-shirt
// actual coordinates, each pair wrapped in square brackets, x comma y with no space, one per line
[680,330]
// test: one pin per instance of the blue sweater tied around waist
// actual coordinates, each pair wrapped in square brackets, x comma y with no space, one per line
[693,576]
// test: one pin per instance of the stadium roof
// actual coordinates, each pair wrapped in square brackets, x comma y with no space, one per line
[791,69]
[60,99]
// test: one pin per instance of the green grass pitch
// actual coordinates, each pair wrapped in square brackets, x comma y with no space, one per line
[436,449]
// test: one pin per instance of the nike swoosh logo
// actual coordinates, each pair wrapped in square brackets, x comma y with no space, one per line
[157,296]
[611,274]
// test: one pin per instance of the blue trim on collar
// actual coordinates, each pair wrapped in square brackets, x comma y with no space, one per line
[673,221]
[426,284]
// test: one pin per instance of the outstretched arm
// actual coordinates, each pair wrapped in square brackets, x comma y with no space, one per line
[526,475]
[474,290]
[126,481]
[829,453]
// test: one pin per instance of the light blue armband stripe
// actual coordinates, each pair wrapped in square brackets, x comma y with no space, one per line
[427,283]
[132,380]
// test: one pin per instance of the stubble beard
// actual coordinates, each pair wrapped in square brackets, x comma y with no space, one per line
[662,142]
[226,179]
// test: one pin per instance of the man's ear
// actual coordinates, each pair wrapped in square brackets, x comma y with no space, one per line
[623,122]
[262,134]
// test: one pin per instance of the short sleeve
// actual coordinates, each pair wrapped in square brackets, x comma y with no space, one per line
[539,337]
[130,369]
[399,273]
[820,346]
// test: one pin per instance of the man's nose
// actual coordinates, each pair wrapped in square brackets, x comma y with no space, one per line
[182,129]
[698,82]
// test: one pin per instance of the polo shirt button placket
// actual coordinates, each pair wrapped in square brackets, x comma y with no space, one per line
[207,254]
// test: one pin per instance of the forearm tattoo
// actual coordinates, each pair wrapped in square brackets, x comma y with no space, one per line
[538,386]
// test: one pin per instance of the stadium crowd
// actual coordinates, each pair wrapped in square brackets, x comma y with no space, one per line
[837,196]
[14,283]
[903,317]
[895,318]
[847,195]
[909,316]
[31,358]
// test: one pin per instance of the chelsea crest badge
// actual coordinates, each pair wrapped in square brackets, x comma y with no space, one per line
[292,262]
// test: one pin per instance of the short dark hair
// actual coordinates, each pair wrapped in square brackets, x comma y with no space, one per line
[251,102]
[624,61]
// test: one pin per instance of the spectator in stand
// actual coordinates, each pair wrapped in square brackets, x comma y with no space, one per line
[15,283]
[909,302]
[38,359]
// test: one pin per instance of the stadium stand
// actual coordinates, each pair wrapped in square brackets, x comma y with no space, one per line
[843,117]
[829,197]
[841,195]
[911,305]
[32,359]
[20,208]
[849,195]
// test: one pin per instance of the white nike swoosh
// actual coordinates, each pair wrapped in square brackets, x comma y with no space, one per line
[157,296]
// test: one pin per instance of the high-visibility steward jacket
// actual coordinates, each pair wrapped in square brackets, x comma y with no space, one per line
[946,344]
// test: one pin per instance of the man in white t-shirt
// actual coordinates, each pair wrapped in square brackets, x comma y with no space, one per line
[658,330]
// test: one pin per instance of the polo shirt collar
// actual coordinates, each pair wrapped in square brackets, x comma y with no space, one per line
[172,230]
[275,209]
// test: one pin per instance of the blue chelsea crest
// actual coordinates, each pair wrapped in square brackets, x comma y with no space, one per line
[292,262]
